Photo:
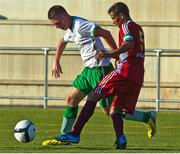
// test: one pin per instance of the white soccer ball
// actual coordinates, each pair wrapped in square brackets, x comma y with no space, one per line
[24,131]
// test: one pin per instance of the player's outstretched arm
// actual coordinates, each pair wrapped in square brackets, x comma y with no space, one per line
[56,67]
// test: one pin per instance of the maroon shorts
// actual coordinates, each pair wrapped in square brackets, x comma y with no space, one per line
[126,92]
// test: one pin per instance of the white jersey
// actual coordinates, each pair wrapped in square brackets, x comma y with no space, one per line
[82,33]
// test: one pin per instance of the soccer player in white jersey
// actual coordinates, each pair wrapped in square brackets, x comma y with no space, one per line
[86,35]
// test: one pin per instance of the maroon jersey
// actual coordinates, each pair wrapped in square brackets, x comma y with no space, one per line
[131,63]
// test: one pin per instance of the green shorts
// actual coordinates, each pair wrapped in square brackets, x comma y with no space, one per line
[89,78]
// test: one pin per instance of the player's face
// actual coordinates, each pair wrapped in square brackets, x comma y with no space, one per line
[117,20]
[60,22]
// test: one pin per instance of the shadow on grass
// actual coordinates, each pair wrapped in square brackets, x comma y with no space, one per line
[75,147]
[70,148]
[110,149]
[156,149]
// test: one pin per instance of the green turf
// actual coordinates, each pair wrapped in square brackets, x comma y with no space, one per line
[97,136]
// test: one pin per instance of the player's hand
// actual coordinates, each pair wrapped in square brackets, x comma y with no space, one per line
[101,54]
[56,69]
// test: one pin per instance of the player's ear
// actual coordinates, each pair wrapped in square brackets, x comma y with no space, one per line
[121,15]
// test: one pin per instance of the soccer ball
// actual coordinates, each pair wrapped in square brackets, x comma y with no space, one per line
[24,131]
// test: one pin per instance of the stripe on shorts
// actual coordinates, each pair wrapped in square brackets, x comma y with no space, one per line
[104,81]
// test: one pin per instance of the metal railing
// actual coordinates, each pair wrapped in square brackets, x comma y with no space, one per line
[46,51]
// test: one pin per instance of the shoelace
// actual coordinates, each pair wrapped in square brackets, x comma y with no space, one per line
[53,142]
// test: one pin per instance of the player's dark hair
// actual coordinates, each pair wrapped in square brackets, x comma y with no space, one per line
[55,10]
[119,7]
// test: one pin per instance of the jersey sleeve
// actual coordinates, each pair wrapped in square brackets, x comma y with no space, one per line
[127,36]
[88,29]
[68,36]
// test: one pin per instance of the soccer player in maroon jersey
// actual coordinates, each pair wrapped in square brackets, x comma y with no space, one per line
[124,82]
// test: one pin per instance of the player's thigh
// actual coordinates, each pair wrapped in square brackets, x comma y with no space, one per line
[126,101]
[74,97]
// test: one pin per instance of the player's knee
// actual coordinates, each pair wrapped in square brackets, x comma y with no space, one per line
[92,96]
[113,111]
[112,114]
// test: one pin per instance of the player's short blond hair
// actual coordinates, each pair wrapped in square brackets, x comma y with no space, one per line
[119,7]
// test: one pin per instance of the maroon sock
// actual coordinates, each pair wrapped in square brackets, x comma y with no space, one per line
[118,123]
[84,116]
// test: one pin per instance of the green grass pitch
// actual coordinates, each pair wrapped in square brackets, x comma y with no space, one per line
[97,136]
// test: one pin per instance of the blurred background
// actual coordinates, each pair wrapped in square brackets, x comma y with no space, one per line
[28,41]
